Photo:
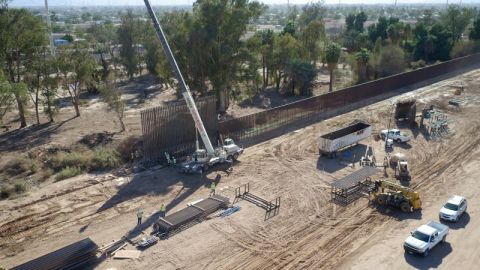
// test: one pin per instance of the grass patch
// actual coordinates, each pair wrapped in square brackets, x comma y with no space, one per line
[17,166]
[20,187]
[68,172]
[63,160]
[105,158]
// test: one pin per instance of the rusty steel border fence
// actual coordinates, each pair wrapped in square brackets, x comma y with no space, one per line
[171,129]
[258,127]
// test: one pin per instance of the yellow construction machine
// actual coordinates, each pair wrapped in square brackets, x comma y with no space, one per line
[395,195]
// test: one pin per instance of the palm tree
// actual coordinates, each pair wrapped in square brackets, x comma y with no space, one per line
[362,58]
[332,54]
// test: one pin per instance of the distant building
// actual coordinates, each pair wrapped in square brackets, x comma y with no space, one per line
[60,42]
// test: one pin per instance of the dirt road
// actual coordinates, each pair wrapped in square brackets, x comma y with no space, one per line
[309,233]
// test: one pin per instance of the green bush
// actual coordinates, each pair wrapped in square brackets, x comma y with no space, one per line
[70,159]
[5,191]
[419,64]
[45,174]
[17,166]
[105,158]
[127,148]
[34,167]
[68,172]
[20,187]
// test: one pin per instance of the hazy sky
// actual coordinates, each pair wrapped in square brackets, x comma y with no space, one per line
[189,2]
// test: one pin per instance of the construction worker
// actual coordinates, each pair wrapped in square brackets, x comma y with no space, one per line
[163,210]
[167,156]
[212,188]
[139,216]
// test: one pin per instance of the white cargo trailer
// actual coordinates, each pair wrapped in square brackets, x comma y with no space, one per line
[342,138]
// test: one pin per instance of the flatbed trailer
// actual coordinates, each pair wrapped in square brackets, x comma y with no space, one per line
[331,143]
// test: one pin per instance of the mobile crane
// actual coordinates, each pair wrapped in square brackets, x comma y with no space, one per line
[202,159]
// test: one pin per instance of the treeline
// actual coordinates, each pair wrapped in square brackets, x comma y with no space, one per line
[390,46]
[219,52]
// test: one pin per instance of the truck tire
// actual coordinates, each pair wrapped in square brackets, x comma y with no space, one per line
[398,140]
[405,207]
[427,251]
[444,239]
[235,157]
[383,136]
[381,200]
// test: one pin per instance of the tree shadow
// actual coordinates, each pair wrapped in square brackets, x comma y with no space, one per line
[434,259]
[460,224]
[351,155]
[30,136]
[157,183]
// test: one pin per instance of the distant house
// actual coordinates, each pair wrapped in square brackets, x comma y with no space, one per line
[60,42]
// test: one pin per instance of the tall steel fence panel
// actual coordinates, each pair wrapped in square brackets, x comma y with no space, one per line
[171,129]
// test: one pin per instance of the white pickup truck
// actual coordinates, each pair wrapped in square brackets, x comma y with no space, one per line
[422,240]
[394,134]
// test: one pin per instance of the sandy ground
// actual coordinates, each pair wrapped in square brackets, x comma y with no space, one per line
[310,232]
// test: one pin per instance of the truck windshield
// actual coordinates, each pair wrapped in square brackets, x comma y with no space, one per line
[451,206]
[421,236]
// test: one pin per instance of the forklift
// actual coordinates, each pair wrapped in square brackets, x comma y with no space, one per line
[399,163]
[394,195]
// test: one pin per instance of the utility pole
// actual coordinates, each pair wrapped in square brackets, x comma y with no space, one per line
[49,24]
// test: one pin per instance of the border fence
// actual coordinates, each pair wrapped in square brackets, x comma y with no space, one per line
[171,129]
[262,126]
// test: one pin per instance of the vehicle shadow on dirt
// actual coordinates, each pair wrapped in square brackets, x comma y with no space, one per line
[344,158]
[460,224]
[434,259]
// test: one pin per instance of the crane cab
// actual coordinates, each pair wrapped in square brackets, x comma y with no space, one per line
[232,150]
[200,155]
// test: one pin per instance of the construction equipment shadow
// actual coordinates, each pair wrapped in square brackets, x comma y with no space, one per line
[272,208]
[396,213]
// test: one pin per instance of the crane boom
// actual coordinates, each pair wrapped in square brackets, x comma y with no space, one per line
[184,87]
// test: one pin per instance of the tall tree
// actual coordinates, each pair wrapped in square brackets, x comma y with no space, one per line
[390,61]
[105,38]
[6,96]
[311,36]
[20,34]
[300,74]
[76,67]
[314,11]
[475,30]
[332,54]
[128,37]
[113,97]
[286,48]
[456,20]
[225,23]
[267,37]
[360,19]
